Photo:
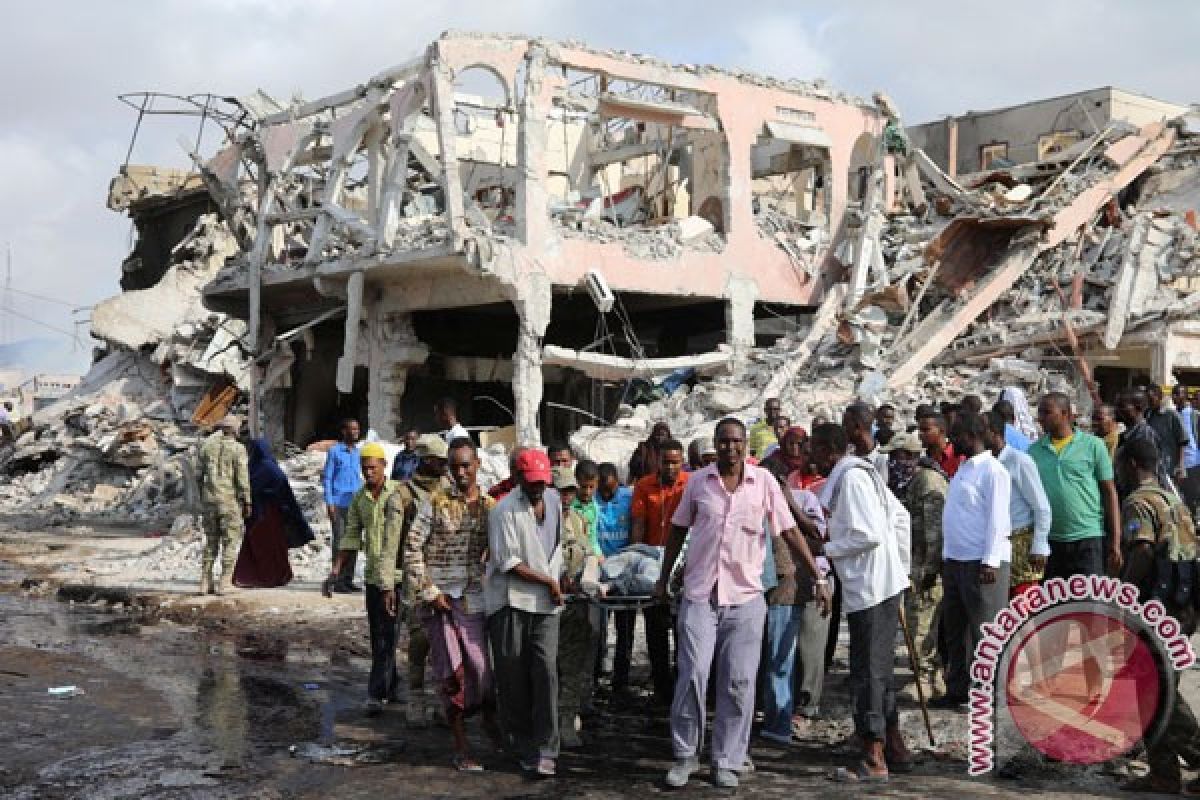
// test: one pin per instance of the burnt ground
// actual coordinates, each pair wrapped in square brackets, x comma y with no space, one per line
[260,694]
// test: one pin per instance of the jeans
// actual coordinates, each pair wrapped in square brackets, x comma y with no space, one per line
[385,678]
[346,574]
[777,671]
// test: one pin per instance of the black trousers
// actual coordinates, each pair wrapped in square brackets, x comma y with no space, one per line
[384,677]
[625,621]
[873,667]
[1081,557]
[658,647]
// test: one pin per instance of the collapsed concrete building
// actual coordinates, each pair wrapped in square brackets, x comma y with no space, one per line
[598,216]
[571,241]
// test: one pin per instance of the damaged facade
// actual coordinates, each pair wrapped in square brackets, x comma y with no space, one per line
[598,217]
[578,242]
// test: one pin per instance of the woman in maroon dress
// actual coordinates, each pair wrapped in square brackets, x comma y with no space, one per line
[276,524]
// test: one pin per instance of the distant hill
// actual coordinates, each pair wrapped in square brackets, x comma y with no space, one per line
[46,354]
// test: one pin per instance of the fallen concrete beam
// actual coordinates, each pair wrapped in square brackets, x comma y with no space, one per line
[949,320]
[1127,277]
[933,172]
[610,368]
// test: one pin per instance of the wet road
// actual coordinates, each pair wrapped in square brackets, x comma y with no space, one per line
[168,712]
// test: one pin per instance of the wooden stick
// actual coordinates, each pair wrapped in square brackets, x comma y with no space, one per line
[916,668]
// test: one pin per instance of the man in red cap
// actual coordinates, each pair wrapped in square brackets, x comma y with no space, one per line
[523,597]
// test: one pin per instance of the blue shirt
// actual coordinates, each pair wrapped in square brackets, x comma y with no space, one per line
[614,520]
[1191,450]
[342,475]
[1015,439]
[405,465]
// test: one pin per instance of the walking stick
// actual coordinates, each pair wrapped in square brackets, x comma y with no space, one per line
[916,668]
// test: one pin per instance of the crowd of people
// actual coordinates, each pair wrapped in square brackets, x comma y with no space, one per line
[769,534]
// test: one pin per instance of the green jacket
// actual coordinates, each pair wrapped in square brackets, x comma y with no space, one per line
[373,527]
[224,472]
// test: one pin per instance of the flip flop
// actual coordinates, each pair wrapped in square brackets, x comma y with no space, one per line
[860,774]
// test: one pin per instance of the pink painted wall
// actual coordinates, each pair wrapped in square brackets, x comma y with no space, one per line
[742,110]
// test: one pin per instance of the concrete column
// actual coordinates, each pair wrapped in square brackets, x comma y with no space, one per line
[349,359]
[532,218]
[532,302]
[740,296]
[442,85]
[393,349]
[952,147]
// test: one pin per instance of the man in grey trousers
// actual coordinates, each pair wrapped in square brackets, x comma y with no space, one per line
[523,597]
[976,552]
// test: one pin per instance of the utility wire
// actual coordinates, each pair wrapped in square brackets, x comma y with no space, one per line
[74,335]
[47,299]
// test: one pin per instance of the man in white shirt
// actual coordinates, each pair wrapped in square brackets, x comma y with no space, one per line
[869,550]
[1028,511]
[445,412]
[975,552]
[1189,485]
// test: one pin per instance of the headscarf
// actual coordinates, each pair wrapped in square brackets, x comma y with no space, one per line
[797,462]
[1024,414]
[269,485]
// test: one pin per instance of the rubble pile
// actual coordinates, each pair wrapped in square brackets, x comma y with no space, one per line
[122,443]
[1133,260]
[652,242]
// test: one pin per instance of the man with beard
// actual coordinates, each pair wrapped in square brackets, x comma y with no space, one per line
[444,564]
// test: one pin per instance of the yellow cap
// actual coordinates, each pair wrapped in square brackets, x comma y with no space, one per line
[372,450]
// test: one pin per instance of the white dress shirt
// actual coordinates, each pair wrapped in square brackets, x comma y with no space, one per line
[975,520]
[869,560]
[1029,505]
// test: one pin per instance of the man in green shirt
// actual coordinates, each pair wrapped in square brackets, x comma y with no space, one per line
[762,433]
[587,478]
[373,525]
[1077,475]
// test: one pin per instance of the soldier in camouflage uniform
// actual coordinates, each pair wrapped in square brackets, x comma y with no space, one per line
[429,477]
[578,635]
[225,501]
[924,497]
[1156,531]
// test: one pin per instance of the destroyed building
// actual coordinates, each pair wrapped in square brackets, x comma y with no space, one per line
[571,241]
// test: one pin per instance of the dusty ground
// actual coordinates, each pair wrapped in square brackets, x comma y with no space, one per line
[259,695]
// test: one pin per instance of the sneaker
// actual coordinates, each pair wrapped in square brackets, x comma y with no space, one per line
[546,767]
[681,771]
[374,707]
[725,778]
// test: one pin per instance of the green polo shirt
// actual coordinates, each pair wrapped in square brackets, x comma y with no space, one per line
[1072,483]
[590,514]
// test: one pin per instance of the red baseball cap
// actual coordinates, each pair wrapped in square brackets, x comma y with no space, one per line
[534,465]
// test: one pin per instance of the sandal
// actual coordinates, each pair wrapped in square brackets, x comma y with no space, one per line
[860,774]
[464,763]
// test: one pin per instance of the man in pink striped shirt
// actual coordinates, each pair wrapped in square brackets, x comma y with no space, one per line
[724,515]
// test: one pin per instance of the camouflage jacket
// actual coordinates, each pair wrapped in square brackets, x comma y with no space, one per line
[576,544]
[925,497]
[224,472]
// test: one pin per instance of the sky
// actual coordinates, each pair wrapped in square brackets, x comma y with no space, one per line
[64,134]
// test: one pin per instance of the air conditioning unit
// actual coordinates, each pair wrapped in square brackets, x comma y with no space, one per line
[597,287]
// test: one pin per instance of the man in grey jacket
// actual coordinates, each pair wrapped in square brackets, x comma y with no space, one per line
[523,597]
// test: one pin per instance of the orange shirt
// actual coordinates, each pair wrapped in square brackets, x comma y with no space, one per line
[655,505]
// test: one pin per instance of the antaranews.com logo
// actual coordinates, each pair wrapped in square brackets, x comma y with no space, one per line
[1078,668]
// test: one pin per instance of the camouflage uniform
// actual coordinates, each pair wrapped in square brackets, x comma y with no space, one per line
[1151,515]
[577,634]
[925,498]
[224,492]
[411,494]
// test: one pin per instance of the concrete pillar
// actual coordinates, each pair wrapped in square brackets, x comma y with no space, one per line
[532,302]
[532,216]
[349,359]
[952,147]
[442,85]
[393,349]
[740,296]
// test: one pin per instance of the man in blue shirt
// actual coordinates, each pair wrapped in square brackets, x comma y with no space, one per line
[1012,436]
[614,527]
[1189,484]
[406,462]
[341,478]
